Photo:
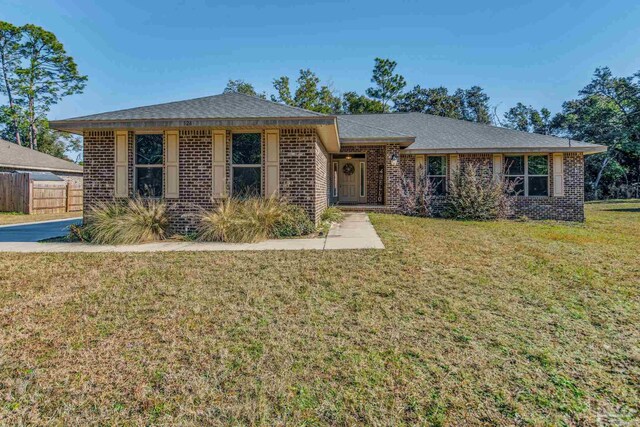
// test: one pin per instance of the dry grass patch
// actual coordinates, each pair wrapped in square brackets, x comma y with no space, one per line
[454,323]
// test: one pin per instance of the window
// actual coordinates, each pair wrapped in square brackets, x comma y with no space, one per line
[363,181]
[530,173]
[437,174]
[149,162]
[246,164]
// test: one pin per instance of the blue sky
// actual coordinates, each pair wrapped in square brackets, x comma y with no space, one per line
[144,52]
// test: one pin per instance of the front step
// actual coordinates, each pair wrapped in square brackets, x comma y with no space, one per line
[364,208]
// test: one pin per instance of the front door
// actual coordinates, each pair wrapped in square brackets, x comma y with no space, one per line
[347,181]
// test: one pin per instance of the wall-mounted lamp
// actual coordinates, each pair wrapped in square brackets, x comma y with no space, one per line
[394,160]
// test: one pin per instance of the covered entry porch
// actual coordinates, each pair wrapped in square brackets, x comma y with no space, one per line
[364,177]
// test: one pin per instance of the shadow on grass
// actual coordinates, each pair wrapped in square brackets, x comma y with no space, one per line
[623,210]
[611,201]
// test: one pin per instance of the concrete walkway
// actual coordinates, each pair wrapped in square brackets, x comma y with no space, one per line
[355,232]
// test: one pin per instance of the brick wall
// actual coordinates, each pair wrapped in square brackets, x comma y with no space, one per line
[303,172]
[99,172]
[321,179]
[393,175]
[195,180]
[569,207]
[298,168]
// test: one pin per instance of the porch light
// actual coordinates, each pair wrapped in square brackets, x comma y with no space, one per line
[348,157]
[394,160]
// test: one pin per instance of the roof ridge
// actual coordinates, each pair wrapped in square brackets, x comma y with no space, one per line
[376,127]
[277,103]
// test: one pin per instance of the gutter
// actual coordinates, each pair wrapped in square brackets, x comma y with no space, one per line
[35,168]
[76,126]
[593,149]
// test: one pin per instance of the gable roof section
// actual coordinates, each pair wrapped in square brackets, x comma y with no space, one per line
[230,105]
[356,131]
[13,156]
[225,110]
[435,134]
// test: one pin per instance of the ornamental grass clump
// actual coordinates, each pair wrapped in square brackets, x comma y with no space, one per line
[476,194]
[253,220]
[138,221]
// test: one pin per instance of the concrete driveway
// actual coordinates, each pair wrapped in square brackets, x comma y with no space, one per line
[34,232]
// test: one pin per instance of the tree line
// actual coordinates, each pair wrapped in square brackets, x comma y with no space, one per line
[36,73]
[606,111]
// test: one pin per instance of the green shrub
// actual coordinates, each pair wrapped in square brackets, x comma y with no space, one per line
[295,222]
[476,194]
[114,223]
[332,214]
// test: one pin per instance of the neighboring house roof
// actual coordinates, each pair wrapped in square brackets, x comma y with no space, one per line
[13,156]
[416,132]
[435,134]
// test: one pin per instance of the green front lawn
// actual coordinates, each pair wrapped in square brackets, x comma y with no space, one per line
[527,323]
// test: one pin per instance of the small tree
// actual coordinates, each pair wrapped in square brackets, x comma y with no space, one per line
[476,194]
[416,196]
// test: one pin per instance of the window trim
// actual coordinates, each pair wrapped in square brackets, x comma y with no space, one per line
[245,165]
[334,169]
[445,177]
[137,165]
[526,176]
[363,179]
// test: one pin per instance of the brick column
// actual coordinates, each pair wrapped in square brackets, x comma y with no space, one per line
[393,176]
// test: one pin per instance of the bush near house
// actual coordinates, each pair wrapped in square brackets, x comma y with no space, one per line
[473,193]
[252,220]
[476,194]
[113,223]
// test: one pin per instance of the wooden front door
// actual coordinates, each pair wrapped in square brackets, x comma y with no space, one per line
[347,181]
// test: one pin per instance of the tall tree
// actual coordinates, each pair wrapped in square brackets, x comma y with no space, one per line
[388,86]
[10,37]
[607,112]
[309,94]
[527,119]
[436,101]
[47,75]
[474,104]
[352,103]
[240,86]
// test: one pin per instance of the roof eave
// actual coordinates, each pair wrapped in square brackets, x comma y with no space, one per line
[77,126]
[592,149]
[404,141]
[38,168]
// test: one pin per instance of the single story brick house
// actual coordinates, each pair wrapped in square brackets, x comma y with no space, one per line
[194,153]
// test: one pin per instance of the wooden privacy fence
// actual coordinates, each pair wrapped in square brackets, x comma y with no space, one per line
[18,193]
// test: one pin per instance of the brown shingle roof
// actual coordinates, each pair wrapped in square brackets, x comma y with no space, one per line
[16,157]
